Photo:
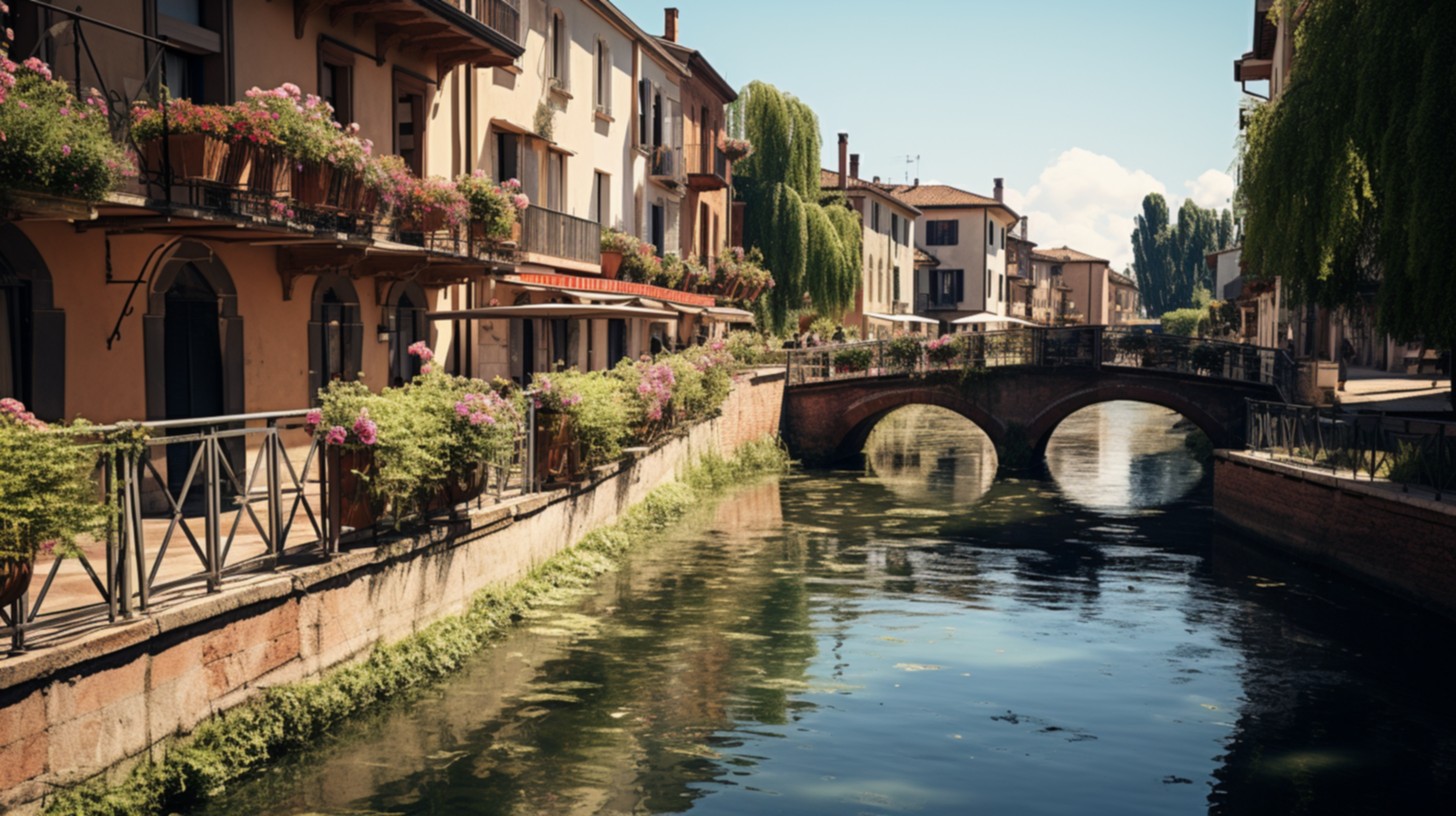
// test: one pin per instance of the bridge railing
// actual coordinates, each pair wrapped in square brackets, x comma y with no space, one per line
[1041,346]
[1372,447]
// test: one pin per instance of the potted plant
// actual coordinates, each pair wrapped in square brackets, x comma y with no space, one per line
[196,139]
[616,245]
[735,149]
[419,205]
[695,275]
[643,265]
[851,360]
[348,433]
[671,271]
[942,350]
[53,143]
[904,352]
[493,208]
[483,435]
[47,497]
[558,456]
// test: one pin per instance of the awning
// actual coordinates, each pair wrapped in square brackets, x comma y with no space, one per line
[728,314]
[556,311]
[594,297]
[687,310]
[902,318]
[987,317]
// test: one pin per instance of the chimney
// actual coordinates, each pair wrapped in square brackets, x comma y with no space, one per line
[669,28]
[854,165]
[877,179]
[917,183]
[1000,189]
[1023,227]
[843,161]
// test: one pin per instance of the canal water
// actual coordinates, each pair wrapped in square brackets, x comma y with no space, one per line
[921,637]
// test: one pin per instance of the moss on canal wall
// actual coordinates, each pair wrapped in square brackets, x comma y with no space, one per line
[288,718]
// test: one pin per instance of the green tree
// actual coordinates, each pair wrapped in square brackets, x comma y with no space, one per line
[1348,176]
[1170,260]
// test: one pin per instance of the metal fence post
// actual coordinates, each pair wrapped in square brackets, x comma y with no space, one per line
[272,446]
[212,494]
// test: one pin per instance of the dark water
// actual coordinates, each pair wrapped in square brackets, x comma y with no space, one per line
[923,639]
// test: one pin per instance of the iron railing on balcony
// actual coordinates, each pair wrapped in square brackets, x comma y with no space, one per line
[665,164]
[706,160]
[503,16]
[199,504]
[558,235]
[1417,453]
[933,303]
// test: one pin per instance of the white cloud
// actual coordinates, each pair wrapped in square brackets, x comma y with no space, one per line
[1212,189]
[1087,201]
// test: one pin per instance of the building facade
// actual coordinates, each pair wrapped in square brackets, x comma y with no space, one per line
[967,233]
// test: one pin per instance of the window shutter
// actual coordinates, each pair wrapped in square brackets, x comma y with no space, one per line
[960,286]
[644,112]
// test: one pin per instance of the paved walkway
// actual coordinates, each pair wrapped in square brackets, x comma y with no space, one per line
[1372,390]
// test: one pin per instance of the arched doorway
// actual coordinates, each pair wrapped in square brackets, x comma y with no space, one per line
[193,338]
[335,334]
[406,322]
[32,332]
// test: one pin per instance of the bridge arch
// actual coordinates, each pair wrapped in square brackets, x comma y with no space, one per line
[861,415]
[1042,425]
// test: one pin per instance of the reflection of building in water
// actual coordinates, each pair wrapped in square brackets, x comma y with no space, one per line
[1122,456]
[929,455]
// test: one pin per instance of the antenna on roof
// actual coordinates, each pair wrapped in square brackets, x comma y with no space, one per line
[909,160]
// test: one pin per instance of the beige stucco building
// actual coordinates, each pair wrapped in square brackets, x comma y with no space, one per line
[884,301]
[1092,293]
[967,234]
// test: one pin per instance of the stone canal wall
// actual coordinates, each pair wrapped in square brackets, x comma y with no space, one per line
[71,711]
[1401,542]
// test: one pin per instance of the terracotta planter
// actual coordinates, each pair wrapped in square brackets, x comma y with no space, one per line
[311,184]
[432,222]
[754,292]
[611,263]
[14,580]
[237,168]
[194,156]
[358,508]
[271,172]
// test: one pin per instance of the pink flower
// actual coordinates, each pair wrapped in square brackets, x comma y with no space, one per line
[521,201]
[313,419]
[426,369]
[336,435]
[421,350]
[365,429]
[65,150]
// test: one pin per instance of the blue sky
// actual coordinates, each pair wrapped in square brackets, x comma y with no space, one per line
[1083,106]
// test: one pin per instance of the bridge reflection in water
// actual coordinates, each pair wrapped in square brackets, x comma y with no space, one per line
[1115,457]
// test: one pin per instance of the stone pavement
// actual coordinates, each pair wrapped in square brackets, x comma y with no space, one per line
[1372,390]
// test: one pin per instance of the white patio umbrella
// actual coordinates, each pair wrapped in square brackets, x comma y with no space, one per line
[984,318]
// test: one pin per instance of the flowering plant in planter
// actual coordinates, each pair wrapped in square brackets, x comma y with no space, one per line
[47,497]
[642,265]
[943,350]
[420,205]
[596,408]
[695,274]
[50,142]
[670,271]
[904,352]
[735,149]
[492,206]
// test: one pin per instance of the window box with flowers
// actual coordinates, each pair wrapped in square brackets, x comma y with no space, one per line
[330,163]
[741,275]
[419,206]
[494,208]
[47,497]
[50,142]
[735,149]
[616,246]
[189,139]
[942,351]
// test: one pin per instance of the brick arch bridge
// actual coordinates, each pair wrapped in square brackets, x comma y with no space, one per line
[1019,403]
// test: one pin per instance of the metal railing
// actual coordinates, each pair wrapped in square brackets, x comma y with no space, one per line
[665,163]
[503,16]
[930,303]
[202,503]
[706,160]
[558,235]
[1096,346]
[1373,447]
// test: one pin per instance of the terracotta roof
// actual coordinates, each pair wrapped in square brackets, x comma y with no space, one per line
[829,180]
[944,195]
[1065,255]
[1121,279]
[923,258]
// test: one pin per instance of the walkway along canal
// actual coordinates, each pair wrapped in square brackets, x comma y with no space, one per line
[922,637]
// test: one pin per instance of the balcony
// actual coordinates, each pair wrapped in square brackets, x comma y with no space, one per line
[482,33]
[665,166]
[557,239]
[932,303]
[707,167]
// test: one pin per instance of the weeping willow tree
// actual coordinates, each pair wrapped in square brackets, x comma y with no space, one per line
[1348,177]
[806,245]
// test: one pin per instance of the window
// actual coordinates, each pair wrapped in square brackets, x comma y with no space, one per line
[875,219]
[947,287]
[409,121]
[1003,237]
[896,283]
[602,88]
[905,230]
[507,156]
[659,228]
[195,64]
[336,347]
[336,79]
[644,113]
[894,227]
[557,50]
[556,181]
[602,198]
[14,335]
[990,233]
[942,233]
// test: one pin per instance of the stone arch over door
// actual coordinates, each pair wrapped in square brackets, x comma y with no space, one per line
[34,331]
[191,260]
[335,334]
[405,319]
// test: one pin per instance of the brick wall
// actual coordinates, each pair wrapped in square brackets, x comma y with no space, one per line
[72,711]
[1400,542]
